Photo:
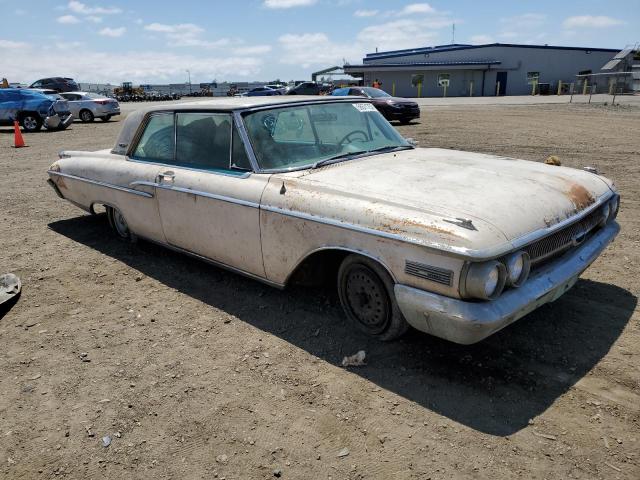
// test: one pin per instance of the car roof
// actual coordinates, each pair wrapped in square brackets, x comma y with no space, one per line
[230,104]
[242,103]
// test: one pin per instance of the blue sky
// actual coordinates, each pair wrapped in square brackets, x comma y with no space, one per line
[156,41]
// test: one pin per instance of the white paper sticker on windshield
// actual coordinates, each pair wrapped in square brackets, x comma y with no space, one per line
[364,107]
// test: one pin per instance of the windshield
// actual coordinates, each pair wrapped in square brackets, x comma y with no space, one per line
[375,92]
[307,135]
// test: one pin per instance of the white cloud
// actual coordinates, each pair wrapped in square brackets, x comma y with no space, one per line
[252,50]
[591,21]
[288,3]
[112,32]
[20,12]
[68,19]
[297,48]
[416,9]
[401,34]
[365,13]
[83,9]
[136,66]
[524,21]
[68,45]
[181,28]
[11,44]
[186,35]
[481,39]
[94,19]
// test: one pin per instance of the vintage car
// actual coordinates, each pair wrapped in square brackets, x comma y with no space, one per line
[285,189]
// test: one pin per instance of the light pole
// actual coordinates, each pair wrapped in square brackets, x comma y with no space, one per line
[189,81]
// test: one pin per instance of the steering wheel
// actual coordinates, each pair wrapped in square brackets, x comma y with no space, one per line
[346,137]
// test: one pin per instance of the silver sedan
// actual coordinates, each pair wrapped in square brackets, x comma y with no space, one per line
[88,106]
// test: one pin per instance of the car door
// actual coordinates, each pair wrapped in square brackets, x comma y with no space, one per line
[74,103]
[208,198]
[9,106]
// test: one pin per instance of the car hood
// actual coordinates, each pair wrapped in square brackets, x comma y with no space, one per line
[457,200]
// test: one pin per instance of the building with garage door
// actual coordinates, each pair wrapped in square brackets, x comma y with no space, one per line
[478,70]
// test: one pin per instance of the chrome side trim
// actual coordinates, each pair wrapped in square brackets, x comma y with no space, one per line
[215,263]
[102,184]
[199,193]
[191,169]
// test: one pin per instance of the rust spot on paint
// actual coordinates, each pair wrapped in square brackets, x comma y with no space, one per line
[580,196]
[60,183]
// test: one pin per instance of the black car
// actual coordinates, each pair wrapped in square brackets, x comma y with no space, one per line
[392,108]
[305,88]
[59,84]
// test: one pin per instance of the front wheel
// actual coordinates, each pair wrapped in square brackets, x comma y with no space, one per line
[31,122]
[106,118]
[366,294]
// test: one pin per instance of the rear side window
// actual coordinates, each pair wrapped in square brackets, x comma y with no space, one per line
[204,140]
[157,142]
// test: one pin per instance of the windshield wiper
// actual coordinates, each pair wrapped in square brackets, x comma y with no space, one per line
[388,148]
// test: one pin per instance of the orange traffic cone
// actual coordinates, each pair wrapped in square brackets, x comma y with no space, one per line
[18,140]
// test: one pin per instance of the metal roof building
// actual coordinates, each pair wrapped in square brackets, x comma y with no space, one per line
[478,70]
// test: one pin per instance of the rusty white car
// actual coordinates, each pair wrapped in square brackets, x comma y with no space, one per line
[284,189]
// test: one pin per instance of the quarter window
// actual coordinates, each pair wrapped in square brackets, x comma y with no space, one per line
[157,142]
[239,159]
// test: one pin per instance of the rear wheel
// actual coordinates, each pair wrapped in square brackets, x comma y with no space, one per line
[119,224]
[31,122]
[106,118]
[366,294]
[86,116]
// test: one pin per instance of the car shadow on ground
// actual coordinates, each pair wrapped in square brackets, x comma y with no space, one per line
[495,386]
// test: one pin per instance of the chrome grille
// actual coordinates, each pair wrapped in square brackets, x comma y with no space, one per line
[563,240]
[428,272]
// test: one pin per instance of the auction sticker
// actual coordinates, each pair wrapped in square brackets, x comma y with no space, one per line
[364,107]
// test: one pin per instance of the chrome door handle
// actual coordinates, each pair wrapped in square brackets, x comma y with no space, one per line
[168,176]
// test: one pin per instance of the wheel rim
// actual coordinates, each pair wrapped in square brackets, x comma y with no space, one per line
[86,116]
[30,123]
[367,300]
[120,224]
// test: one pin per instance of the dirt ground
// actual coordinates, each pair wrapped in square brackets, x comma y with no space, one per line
[198,373]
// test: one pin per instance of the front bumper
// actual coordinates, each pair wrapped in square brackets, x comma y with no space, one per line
[469,322]
[58,122]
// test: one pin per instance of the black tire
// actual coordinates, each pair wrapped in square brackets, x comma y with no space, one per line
[30,122]
[119,225]
[366,294]
[86,116]
[106,119]
[405,121]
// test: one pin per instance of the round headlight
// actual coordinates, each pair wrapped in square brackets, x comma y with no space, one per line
[485,280]
[614,204]
[518,265]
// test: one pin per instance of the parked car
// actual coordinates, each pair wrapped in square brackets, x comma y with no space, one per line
[59,84]
[392,108]
[305,88]
[278,87]
[262,92]
[33,109]
[88,106]
[456,244]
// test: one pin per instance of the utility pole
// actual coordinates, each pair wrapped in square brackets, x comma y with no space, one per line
[453,33]
[188,72]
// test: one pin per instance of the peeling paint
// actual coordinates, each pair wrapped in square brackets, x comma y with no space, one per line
[580,196]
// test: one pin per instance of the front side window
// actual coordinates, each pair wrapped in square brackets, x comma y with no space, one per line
[157,142]
[203,140]
[303,136]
